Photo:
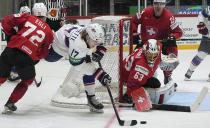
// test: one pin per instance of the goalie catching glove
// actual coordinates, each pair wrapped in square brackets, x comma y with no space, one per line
[102,76]
[169,63]
[99,53]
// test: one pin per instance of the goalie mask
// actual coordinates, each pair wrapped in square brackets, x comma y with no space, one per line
[151,51]
[96,32]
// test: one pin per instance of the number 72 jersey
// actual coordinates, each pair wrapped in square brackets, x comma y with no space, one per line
[29,34]
[136,70]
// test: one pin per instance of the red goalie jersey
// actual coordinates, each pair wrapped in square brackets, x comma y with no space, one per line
[28,33]
[136,68]
[156,28]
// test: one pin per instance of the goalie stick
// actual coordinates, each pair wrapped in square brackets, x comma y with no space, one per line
[121,122]
[179,108]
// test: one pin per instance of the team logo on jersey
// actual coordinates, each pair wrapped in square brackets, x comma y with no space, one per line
[151,32]
[142,69]
[53,12]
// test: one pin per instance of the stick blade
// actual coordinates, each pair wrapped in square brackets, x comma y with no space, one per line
[128,122]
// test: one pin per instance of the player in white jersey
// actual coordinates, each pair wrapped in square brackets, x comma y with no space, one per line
[204,48]
[77,43]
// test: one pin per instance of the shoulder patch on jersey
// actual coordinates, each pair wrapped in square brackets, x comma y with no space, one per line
[17,15]
[142,69]
[76,61]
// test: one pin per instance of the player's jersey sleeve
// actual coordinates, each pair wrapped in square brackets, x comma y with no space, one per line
[174,26]
[138,72]
[11,21]
[60,43]
[137,19]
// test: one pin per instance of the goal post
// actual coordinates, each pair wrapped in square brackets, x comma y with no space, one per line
[118,41]
[120,29]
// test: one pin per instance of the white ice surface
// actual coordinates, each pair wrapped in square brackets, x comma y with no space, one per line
[35,111]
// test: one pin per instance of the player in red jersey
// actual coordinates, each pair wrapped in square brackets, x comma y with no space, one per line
[139,68]
[160,24]
[26,46]
[141,65]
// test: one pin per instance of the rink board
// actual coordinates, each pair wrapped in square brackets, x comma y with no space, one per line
[188,98]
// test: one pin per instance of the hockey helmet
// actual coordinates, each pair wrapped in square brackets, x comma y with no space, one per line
[151,50]
[96,32]
[25,9]
[39,9]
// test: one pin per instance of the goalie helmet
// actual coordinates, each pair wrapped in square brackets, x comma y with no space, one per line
[39,9]
[96,32]
[25,9]
[151,50]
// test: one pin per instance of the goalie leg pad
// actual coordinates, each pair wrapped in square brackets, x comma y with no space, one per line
[162,94]
[141,99]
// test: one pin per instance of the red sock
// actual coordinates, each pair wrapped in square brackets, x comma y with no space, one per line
[20,90]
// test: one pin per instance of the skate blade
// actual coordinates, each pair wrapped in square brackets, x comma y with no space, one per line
[96,110]
[7,112]
[186,79]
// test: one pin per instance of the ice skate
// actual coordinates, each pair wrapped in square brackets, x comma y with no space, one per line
[13,77]
[188,75]
[209,78]
[9,107]
[94,104]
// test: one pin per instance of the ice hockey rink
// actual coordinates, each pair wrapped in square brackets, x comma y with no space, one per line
[35,111]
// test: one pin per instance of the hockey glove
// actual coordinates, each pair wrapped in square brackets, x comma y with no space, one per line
[87,59]
[202,28]
[102,76]
[152,83]
[170,41]
[98,55]
[169,63]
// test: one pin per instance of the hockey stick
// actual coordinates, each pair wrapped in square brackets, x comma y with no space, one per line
[38,83]
[121,122]
[180,108]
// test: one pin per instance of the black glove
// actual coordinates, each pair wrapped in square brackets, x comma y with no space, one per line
[87,59]
[202,28]
[99,53]
[136,39]
[152,83]
[170,40]
[102,76]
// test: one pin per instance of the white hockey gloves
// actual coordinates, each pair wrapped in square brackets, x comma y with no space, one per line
[169,63]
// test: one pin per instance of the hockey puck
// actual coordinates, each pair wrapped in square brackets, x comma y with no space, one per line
[143,122]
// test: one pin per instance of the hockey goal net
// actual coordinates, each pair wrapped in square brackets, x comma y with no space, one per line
[118,43]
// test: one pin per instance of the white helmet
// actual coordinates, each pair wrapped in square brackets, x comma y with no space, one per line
[39,9]
[25,9]
[161,1]
[96,32]
[151,50]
